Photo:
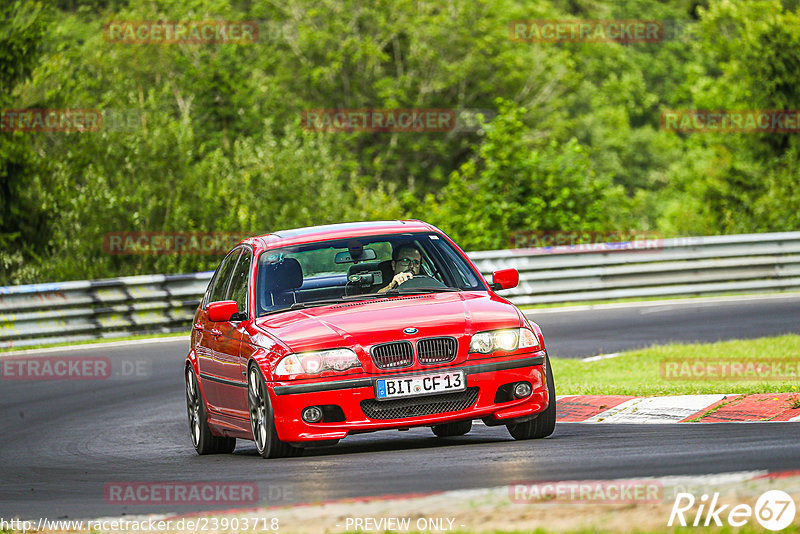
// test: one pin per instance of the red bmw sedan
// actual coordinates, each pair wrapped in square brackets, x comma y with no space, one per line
[307,336]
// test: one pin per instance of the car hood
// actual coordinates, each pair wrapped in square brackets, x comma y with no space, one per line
[380,320]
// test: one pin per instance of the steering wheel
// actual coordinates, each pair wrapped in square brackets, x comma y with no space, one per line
[421,280]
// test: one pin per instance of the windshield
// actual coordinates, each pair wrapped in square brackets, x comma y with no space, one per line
[366,267]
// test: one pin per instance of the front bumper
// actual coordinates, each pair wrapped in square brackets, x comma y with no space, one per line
[488,375]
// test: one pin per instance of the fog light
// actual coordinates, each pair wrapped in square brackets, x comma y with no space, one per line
[312,414]
[522,389]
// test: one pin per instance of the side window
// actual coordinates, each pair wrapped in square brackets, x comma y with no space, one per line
[239,281]
[223,276]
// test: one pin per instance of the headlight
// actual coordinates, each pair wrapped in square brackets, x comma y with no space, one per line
[505,340]
[311,363]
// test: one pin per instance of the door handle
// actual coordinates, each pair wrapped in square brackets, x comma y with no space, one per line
[215,332]
[199,326]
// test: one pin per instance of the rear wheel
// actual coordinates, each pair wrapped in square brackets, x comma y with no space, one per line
[545,422]
[262,419]
[448,430]
[203,440]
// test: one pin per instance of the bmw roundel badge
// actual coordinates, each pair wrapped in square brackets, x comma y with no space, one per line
[410,331]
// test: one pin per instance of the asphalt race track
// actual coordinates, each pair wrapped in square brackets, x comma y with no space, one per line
[63,442]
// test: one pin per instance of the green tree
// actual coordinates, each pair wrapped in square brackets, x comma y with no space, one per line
[516,183]
[745,59]
[24,214]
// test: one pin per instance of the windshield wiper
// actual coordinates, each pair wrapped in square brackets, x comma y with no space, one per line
[272,312]
[312,303]
[429,290]
[400,291]
[301,305]
[389,293]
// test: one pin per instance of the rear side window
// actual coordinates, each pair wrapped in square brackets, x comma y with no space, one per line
[219,285]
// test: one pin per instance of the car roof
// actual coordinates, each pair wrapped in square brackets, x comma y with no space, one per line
[311,234]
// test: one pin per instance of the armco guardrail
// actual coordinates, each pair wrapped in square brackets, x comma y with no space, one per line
[74,311]
[653,268]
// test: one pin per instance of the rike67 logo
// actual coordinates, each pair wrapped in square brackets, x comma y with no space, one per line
[774,510]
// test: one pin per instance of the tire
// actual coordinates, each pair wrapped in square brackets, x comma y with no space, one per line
[448,430]
[203,440]
[545,423]
[262,420]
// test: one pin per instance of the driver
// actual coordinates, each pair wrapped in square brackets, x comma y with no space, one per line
[406,261]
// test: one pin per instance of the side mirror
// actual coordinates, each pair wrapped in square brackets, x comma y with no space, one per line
[223,311]
[504,279]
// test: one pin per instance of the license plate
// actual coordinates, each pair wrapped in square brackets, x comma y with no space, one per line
[419,385]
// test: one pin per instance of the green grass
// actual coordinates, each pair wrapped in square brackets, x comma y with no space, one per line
[93,342]
[640,372]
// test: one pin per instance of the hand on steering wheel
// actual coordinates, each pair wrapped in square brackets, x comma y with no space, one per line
[399,278]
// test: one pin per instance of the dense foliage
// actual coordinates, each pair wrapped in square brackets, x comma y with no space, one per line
[210,136]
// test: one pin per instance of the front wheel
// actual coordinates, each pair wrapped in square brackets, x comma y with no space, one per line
[545,422]
[203,440]
[262,419]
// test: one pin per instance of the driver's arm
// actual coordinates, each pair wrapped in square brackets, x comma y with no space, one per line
[398,279]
